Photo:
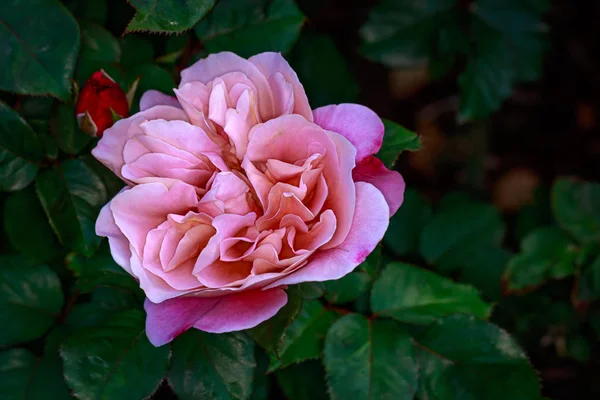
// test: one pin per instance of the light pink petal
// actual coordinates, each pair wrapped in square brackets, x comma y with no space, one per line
[109,150]
[360,125]
[272,63]
[390,183]
[238,122]
[153,98]
[234,312]
[370,222]
[119,245]
[217,65]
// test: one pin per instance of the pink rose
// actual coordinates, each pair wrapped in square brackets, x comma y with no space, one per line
[238,194]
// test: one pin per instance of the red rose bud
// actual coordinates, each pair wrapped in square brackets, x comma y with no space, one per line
[100,100]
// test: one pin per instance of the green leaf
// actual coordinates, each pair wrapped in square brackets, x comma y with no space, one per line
[261,383]
[249,27]
[22,211]
[30,300]
[137,50]
[98,44]
[70,138]
[461,357]
[335,83]
[168,16]
[89,10]
[114,360]
[348,288]
[269,334]
[396,139]
[485,269]
[100,270]
[151,77]
[576,206]
[546,253]
[312,290]
[39,52]
[452,235]
[72,195]
[112,183]
[370,360]
[24,377]
[372,263]
[104,303]
[413,295]
[303,339]
[589,282]
[402,236]
[209,366]
[405,34]
[305,381]
[20,152]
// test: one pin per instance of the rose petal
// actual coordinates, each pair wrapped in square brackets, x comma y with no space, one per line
[371,219]
[229,313]
[360,125]
[152,98]
[119,245]
[390,183]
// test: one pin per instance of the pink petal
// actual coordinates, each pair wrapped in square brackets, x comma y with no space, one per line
[272,63]
[229,313]
[361,126]
[119,245]
[390,183]
[371,219]
[153,98]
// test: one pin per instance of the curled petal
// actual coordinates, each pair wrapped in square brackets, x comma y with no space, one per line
[390,183]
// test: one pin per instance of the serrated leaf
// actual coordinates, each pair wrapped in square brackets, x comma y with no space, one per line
[305,381]
[210,366]
[72,195]
[114,360]
[20,152]
[576,207]
[546,253]
[69,137]
[402,236]
[453,234]
[249,27]
[369,360]
[269,334]
[335,83]
[169,16]
[396,139]
[22,376]
[413,295]
[303,339]
[39,52]
[22,211]
[461,357]
[30,300]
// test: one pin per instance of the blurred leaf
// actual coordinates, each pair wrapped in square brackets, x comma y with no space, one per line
[249,27]
[334,83]
[168,15]
[369,360]
[453,234]
[20,152]
[403,34]
[90,10]
[589,282]
[70,138]
[402,236]
[372,262]
[546,253]
[210,366]
[262,382]
[38,52]
[105,302]
[72,195]
[305,381]
[99,50]
[534,215]
[348,288]
[413,295]
[303,339]
[312,290]
[269,334]
[114,360]
[112,183]
[100,270]
[30,300]
[396,139]
[136,50]
[151,77]
[174,47]
[36,107]
[22,376]
[576,206]
[22,212]
[462,357]
[578,347]
[485,269]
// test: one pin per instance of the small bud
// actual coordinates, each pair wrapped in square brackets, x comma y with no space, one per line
[100,100]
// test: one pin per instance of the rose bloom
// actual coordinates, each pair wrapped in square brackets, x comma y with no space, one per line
[236,189]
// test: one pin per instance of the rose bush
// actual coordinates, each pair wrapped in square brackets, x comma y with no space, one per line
[236,189]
